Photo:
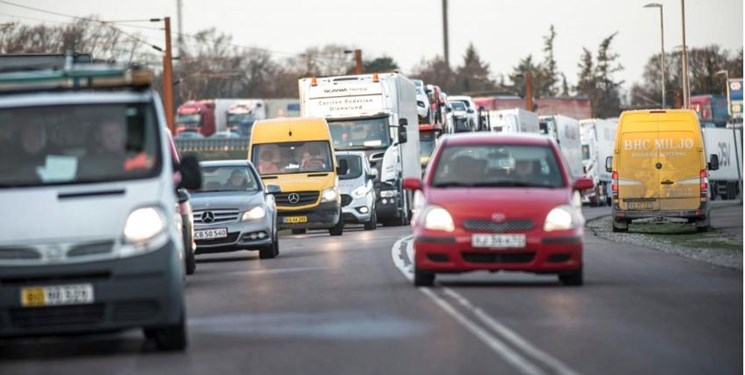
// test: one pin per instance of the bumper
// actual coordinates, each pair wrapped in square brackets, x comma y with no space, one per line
[548,253]
[679,214]
[324,216]
[239,236]
[358,211]
[388,207]
[141,291]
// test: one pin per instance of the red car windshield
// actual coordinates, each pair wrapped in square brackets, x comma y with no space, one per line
[498,166]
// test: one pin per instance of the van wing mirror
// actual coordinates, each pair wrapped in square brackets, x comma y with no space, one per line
[713,162]
[373,174]
[343,167]
[609,164]
[273,189]
[402,137]
[191,173]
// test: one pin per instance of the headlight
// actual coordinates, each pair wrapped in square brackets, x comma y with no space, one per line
[359,192]
[438,218]
[254,213]
[388,193]
[143,224]
[560,218]
[329,195]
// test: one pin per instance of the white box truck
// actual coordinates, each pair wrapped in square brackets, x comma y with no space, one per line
[377,114]
[598,137]
[727,145]
[565,131]
[516,120]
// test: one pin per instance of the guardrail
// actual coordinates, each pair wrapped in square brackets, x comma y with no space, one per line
[212,145]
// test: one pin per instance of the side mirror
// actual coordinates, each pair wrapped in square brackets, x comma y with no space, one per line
[583,183]
[403,122]
[191,174]
[373,174]
[470,110]
[402,137]
[713,162]
[412,183]
[609,164]
[182,195]
[273,189]
[343,167]
[448,109]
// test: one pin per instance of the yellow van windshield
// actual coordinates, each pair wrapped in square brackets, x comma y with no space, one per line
[292,157]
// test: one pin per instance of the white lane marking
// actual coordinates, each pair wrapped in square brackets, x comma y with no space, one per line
[398,259]
[270,271]
[515,339]
[496,345]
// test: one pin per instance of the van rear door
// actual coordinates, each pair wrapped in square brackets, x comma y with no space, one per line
[680,149]
[638,177]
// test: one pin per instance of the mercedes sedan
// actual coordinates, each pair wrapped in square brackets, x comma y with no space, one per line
[234,211]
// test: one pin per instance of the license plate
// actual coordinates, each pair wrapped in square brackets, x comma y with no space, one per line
[209,234]
[498,240]
[57,295]
[295,219]
[639,205]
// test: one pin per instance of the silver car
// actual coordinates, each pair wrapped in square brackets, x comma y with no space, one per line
[357,191]
[233,211]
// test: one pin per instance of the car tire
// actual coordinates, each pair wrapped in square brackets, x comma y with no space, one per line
[298,231]
[372,224]
[338,229]
[620,229]
[703,226]
[190,261]
[576,278]
[422,278]
[169,338]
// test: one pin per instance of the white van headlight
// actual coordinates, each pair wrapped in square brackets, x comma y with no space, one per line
[561,218]
[257,212]
[329,195]
[438,218]
[144,224]
[359,192]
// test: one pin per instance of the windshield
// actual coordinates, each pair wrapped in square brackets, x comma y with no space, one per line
[354,164]
[292,157]
[585,152]
[358,134]
[189,120]
[237,118]
[497,166]
[426,143]
[77,144]
[228,178]
[458,106]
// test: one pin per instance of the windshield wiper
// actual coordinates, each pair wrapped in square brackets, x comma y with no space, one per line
[512,184]
[453,184]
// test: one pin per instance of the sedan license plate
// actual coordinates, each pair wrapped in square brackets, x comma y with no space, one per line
[498,240]
[295,219]
[640,205]
[57,295]
[209,234]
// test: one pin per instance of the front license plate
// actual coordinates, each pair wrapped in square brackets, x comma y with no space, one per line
[57,295]
[295,219]
[639,205]
[210,234]
[498,240]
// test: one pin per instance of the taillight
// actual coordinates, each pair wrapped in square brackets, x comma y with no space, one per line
[704,184]
[614,184]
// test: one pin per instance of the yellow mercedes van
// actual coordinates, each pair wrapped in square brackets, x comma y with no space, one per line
[659,168]
[297,155]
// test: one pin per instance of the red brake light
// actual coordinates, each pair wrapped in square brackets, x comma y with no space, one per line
[703,173]
[614,175]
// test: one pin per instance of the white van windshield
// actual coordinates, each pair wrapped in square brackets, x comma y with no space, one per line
[82,143]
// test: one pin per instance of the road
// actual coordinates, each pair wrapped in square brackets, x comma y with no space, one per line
[344,306]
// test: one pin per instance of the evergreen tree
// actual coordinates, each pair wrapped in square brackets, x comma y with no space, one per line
[473,75]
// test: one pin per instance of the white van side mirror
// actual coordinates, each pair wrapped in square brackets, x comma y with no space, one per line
[609,164]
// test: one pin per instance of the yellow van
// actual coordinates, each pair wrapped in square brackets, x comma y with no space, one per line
[297,155]
[659,168]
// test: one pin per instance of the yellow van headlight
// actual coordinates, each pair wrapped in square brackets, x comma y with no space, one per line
[329,195]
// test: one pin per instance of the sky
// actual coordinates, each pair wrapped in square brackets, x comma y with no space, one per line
[503,31]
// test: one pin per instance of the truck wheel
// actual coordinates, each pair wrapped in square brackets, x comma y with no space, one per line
[338,229]
[704,225]
[619,227]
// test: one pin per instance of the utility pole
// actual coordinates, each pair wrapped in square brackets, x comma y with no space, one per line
[445,31]
[529,90]
[357,61]
[168,77]
[686,87]
[180,39]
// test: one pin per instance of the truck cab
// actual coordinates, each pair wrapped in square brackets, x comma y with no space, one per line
[196,116]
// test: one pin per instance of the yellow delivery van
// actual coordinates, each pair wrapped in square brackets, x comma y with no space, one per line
[297,155]
[659,168]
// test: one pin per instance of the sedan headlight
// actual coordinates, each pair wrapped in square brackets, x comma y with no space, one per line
[359,192]
[561,218]
[329,195]
[255,213]
[144,224]
[438,218]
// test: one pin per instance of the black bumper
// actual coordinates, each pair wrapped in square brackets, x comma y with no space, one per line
[325,215]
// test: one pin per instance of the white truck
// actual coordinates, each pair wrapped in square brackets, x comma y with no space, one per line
[241,115]
[377,114]
[726,143]
[598,137]
[516,120]
[565,131]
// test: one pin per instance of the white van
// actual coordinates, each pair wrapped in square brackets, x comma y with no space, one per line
[89,241]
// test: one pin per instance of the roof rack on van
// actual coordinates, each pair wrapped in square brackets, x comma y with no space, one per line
[73,75]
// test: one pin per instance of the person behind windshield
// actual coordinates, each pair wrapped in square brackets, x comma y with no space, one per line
[237,181]
[526,170]
[312,159]
[267,164]
[32,154]
[108,153]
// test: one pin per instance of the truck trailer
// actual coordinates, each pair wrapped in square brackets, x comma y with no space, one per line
[598,137]
[516,120]
[727,145]
[565,131]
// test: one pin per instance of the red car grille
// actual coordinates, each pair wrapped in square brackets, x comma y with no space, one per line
[483,225]
[498,258]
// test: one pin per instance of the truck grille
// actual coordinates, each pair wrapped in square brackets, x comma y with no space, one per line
[346,200]
[304,198]
[483,225]
[215,216]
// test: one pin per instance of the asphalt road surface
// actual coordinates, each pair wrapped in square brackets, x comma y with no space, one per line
[344,305]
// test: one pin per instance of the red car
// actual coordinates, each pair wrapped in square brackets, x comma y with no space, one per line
[498,202]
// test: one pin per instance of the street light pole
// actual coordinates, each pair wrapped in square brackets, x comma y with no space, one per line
[168,77]
[662,55]
[726,83]
[686,87]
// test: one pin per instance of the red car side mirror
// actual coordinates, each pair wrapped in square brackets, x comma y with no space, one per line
[583,183]
[412,183]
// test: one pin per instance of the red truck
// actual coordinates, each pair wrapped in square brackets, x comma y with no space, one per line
[196,116]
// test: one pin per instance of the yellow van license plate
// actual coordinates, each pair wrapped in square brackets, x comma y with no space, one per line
[295,219]
[640,205]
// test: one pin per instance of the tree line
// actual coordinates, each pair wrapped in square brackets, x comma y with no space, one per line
[210,65]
